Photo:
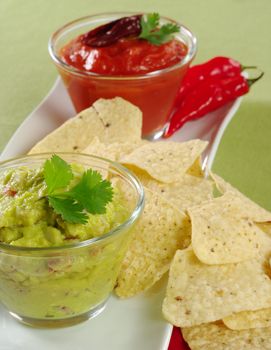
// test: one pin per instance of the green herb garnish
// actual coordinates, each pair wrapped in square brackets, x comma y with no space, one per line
[89,195]
[151,31]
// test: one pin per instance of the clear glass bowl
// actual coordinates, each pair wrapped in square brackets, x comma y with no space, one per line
[61,286]
[154,93]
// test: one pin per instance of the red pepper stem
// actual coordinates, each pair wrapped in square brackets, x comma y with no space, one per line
[252,81]
[248,67]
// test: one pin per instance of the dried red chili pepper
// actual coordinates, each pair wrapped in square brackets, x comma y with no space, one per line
[109,33]
[218,67]
[208,96]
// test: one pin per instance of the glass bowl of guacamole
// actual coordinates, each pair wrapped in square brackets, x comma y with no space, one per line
[55,270]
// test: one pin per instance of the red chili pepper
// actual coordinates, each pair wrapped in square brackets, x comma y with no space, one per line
[218,67]
[208,96]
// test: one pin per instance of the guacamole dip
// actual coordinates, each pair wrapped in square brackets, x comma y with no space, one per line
[54,283]
[27,219]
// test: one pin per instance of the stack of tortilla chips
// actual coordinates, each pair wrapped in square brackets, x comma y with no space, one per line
[216,242]
[219,289]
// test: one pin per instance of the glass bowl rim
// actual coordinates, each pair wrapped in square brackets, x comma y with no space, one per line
[192,49]
[126,173]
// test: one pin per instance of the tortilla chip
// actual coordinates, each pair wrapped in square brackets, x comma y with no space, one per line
[249,319]
[166,161]
[215,336]
[196,168]
[220,235]
[188,191]
[161,230]
[199,293]
[109,120]
[248,207]
[122,120]
[113,151]
[72,136]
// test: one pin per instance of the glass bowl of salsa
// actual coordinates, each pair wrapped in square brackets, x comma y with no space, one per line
[141,72]
[54,273]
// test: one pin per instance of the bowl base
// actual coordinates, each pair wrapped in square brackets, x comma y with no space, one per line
[60,323]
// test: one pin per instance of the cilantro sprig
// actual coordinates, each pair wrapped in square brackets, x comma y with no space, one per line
[90,195]
[151,31]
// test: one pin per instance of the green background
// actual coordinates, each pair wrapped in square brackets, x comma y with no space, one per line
[237,28]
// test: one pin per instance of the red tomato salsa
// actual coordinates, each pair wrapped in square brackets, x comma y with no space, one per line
[128,56]
[121,69]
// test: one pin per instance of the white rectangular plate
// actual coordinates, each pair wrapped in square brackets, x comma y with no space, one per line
[133,324]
